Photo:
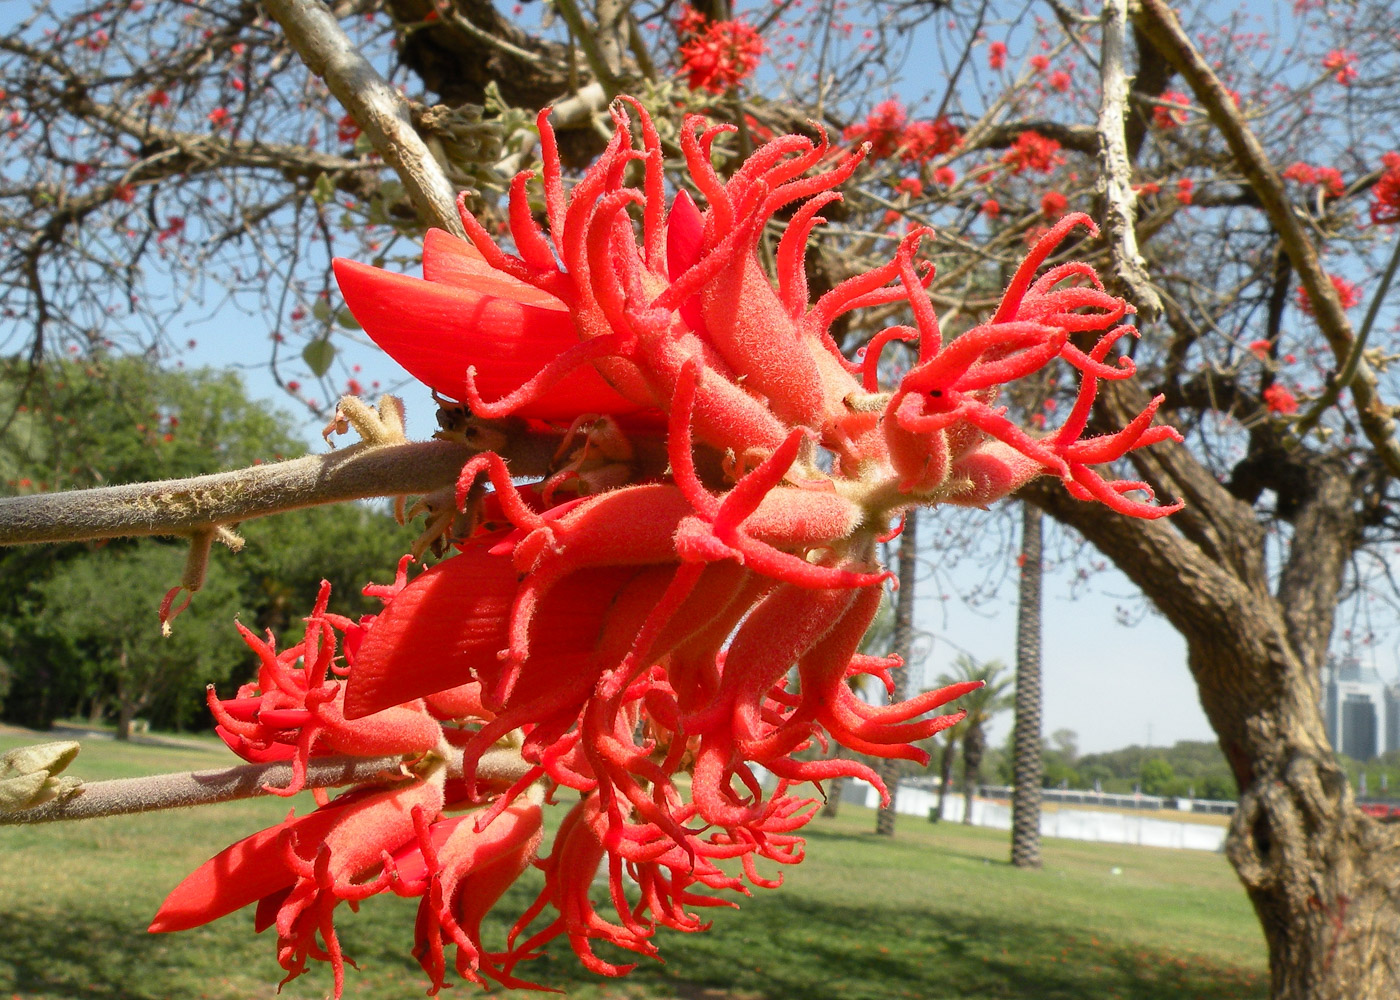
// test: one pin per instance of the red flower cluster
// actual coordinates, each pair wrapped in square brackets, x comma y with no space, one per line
[1342,64]
[1171,112]
[1385,204]
[1033,151]
[1328,177]
[1279,400]
[1349,292]
[1053,205]
[717,55]
[629,638]
[888,131]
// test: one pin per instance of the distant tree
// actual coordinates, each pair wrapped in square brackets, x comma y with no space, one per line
[97,619]
[140,421]
[981,705]
[1065,742]
[1156,777]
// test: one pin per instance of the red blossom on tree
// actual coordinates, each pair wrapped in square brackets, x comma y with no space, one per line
[996,55]
[1169,113]
[1279,400]
[1328,177]
[924,140]
[1033,151]
[717,55]
[1385,196]
[624,636]
[883,128]
[1347,291]
[1342,64]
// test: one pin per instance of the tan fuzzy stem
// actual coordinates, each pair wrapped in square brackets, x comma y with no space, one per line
[202,503]
[196,788]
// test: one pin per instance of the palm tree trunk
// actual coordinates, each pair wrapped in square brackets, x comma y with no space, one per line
[945,771]
[1027,765]
[903,643]
[973,744]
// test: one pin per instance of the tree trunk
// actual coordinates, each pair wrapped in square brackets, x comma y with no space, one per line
[1028,767]
[974,742]
[945,771]
[126,706]
[903,643]
[1320,874]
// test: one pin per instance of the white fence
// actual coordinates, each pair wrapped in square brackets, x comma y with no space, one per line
[1072,824]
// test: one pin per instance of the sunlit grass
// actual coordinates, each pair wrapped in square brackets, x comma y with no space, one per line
[936,913]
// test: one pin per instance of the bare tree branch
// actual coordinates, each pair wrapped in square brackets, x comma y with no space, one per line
[200,503]
[1157,21]
[1115,182]
[124,796]
[379,109]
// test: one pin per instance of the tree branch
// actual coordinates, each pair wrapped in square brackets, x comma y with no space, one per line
[381,111]
[1156,20]
[1115,182]
[123,796]
[186,506]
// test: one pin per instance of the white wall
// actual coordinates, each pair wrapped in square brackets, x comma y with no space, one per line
[1072,824]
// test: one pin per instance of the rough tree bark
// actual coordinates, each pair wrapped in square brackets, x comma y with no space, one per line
[1321,875]
[945,770]
[903,642]
[1028,766]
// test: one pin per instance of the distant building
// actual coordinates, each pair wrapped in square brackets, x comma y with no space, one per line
[1362,711]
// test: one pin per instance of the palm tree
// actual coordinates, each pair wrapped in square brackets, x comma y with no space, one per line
[877,640]
[947,752]
[1028,768]
[981,705]
[903,643]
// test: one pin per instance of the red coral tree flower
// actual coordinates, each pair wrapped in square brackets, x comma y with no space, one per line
[1033,151]
[883,129]
[1385,204]
[1171,110]
[630,637]
[717,55]
[1349,292]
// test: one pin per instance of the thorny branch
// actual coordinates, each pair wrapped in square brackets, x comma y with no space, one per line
[205,503]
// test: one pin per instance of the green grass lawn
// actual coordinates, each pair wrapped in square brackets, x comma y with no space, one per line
[937,913]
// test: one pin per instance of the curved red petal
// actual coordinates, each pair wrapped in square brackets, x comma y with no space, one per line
[438,330]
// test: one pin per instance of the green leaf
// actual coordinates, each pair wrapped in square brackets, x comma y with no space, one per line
[321,309]
[323,192]
[347,321]
[318,356]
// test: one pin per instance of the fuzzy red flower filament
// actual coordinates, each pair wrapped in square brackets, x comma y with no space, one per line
[622,627]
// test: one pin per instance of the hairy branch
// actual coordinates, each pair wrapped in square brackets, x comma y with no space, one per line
[123,796]
[204,503]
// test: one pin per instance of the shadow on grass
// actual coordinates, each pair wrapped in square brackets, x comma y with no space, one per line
[775,948]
